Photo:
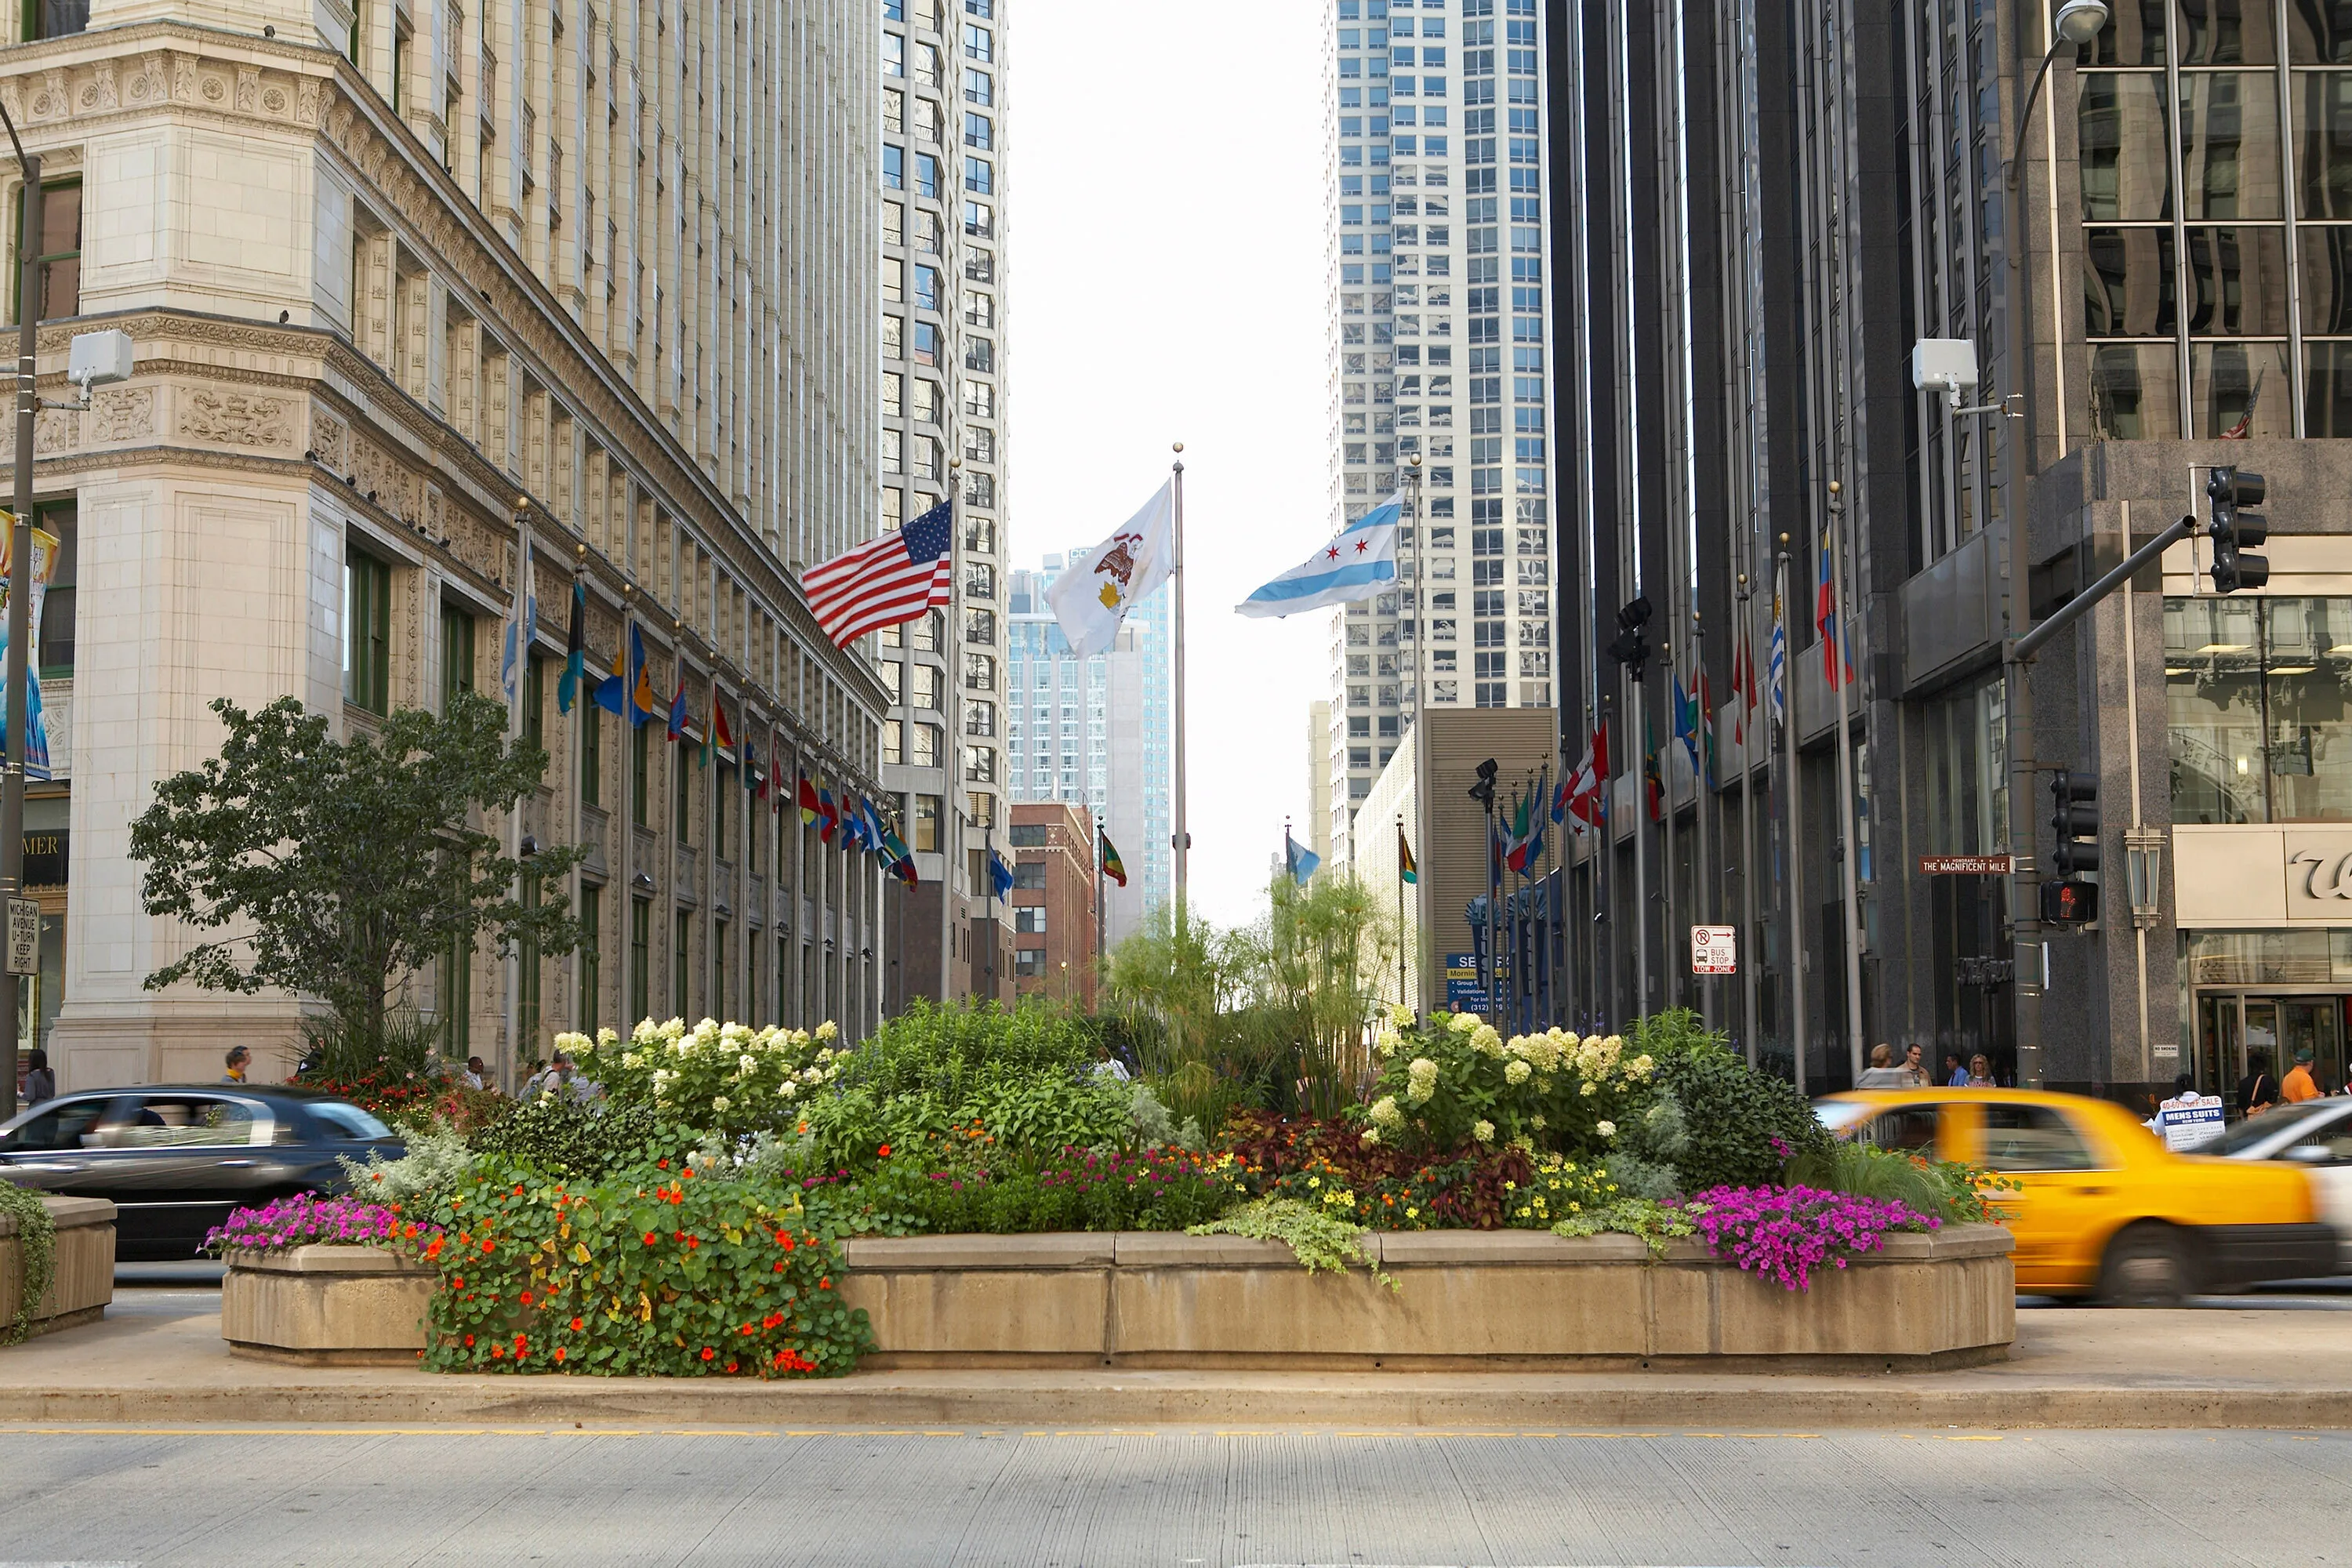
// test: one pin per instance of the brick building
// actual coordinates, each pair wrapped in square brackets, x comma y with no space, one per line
[1055,916]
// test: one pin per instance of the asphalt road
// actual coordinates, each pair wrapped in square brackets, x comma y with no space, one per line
[1180,1498]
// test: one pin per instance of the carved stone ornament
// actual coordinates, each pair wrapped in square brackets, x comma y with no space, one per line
[237,419]
[122,413]
[328,436]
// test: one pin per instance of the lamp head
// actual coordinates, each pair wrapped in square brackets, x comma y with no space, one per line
[2079,21]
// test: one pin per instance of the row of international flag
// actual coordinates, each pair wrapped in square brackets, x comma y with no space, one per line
[625,691]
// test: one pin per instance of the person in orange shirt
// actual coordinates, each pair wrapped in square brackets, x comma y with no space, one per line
[2299,1085]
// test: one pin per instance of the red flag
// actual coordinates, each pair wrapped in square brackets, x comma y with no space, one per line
[807,802]
[1584,785]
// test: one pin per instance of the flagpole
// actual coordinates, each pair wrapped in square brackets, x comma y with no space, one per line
[513,962]
[1675,990]
[1400,881]
[1182,843]
[1795,846]
[1847,830]
[1747,824]
[1703,791]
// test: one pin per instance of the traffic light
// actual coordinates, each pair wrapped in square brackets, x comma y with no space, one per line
[1630,648]
[2070,903]
[2074,816]
[2234,529]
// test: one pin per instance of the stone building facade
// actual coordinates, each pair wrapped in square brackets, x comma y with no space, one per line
[435,309]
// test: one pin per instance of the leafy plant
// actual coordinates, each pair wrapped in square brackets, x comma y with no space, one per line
[1656,1222]
[660,1273]
[338,867]
[1948,1190]
[1788,1232]
[37,1254]
[557,1137]
[1456,1081]
[727,1078]
[1319,1240]
[1742,1126]
[938,1188]
[436,1164]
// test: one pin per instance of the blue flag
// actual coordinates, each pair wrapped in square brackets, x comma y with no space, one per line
[1000,874]
[1356,566]
[1298,860]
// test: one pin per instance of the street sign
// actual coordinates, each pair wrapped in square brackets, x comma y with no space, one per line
[23,937]
[1715,950]
[2189,1121]
[1463,991]
[1963,865]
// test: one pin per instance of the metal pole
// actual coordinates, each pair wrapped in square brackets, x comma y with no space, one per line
[1848,829]
[1703,875]
[20,588]
[1795,843]
[1670,972]
[1184,843]
[1748,967]
[1400,877]
[1638,723]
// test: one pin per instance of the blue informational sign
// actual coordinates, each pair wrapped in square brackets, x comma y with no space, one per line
[1463,993]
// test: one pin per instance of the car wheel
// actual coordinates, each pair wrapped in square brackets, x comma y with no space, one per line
[2144,1267]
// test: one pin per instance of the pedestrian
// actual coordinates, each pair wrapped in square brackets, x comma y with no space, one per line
[1107,1066]
[1980,1072]
[2300,1084]
[1883,1073]
[239,1060]
[40,1083]
[2257,1091]
[563,1079]
[1914,1062]
[475,1075]
[1955,1072]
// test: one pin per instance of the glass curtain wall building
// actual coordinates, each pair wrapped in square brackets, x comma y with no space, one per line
[1439,317]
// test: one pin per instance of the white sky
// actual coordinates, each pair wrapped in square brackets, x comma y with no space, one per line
[1165,282]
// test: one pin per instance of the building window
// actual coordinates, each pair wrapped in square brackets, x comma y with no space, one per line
[2254,696]
[457,653]
[681,954]
[926,824]
[641,983]
[57,267]
[367,631]
[1029,917]
[640,775]
[61,522]
[591,752]
[682,797]
[591,958]
[527,1000]
[718,970]
[534,701]
[55,18]
[457,999]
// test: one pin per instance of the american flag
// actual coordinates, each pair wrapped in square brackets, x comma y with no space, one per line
[884,581]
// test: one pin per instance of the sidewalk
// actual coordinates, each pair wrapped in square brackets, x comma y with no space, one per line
[161,1364]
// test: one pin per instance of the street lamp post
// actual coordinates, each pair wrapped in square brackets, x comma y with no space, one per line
[20,577]
[2075,24]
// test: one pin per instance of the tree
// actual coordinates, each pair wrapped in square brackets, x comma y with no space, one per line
[1316,962]
[336,868]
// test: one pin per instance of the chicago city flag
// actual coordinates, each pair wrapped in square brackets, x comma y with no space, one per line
[1356,566]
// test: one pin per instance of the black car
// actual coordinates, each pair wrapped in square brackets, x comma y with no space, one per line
[176,1158]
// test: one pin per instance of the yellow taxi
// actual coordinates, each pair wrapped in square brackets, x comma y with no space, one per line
[2105,1208]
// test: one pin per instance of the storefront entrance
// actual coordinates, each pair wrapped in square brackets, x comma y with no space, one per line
[2236,1030]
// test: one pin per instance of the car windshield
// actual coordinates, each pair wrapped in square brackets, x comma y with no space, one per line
[343,1120]
[1840,1115]
[2262,1128]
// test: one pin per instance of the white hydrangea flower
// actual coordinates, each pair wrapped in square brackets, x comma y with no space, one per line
[1536,1122]
[1371,1137]
[1517,1072]
[1385,1113]
[1486,1040]
[827,1031]
[1463,1023]
[1606,1129]
[747,1064]
[1483,1132]
[1590,1087]
[1399,1016]
[719,1102]
[791,1090]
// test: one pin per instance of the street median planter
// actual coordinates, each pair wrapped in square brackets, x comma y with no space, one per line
[326,1305]
[1493,1301]
[82,1282]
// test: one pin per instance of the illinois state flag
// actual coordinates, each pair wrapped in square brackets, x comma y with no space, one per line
[1091,597]
[1356,566]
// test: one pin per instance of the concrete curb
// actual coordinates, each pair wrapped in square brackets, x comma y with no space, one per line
[1122,1400]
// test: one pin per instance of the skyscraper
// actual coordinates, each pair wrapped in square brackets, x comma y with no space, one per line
[1099,732]
[942,422]
[1436,210]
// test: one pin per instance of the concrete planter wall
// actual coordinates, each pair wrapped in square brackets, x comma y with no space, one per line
[83,1282]
[1475,1300]
[325,1305]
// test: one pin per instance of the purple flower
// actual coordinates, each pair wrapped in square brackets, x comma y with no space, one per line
[1787,1232]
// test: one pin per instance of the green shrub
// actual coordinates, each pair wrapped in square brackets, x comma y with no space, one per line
[436,1164]
[721,1077]
[569,1139]
[658,1273]
[1742,1126]
[1458,1082]
[1947,1190]
[935,1188]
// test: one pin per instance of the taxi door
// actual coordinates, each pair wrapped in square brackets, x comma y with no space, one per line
[2070,1196]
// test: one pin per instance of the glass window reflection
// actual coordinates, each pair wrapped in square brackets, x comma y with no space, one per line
[2229,144]
[2237,282]
[2323,143]
[2255,694]
[2126,161]
[2134,392]
[2134,35]
[2319,32]
[2324,255]
[2328,390]
[2127,283]
[2240,390]
[2225,33]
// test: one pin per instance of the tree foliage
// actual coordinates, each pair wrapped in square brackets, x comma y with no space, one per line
[336,868]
